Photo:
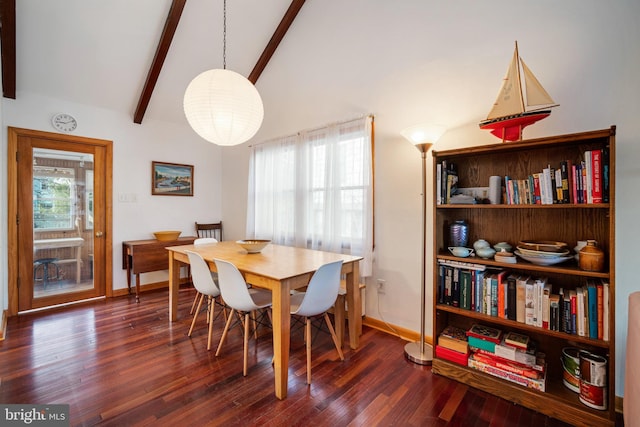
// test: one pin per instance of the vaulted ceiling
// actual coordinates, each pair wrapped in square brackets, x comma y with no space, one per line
[135,56]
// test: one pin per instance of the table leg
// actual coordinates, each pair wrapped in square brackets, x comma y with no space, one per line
[174,285]
[281,319]
[354,314]
[138,287]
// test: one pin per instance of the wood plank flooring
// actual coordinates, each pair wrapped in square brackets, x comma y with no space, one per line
[118,363]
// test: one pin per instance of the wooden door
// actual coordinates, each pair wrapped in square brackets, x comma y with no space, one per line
[59,219]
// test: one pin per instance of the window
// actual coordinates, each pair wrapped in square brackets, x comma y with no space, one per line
[314,190]
[53,196]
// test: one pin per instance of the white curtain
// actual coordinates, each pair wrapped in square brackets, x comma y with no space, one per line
[315,190]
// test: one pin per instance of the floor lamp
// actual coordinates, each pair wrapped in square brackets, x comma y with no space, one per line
[423,137]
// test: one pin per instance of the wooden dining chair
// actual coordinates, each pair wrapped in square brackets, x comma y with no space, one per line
[319,297]
[209,230]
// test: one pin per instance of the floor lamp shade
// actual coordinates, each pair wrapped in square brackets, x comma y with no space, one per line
[223,107]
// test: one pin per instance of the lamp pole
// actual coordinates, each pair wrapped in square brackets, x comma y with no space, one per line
[420,352]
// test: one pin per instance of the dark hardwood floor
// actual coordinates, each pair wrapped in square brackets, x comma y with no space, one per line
[120,363]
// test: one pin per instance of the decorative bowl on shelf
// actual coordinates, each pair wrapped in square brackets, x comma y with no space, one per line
[167,236]
[460,251]
[485,253]
[543,245]
[544,260]
[253,246]
[502,246]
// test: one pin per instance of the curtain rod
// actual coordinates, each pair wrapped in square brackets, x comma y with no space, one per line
[316,128]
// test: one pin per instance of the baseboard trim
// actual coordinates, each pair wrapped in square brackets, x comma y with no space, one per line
[146,287]
[3,325]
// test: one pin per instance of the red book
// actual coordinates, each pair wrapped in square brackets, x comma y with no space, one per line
[502,283]
[596,175]
[508,366]
[486,333]
[451,355]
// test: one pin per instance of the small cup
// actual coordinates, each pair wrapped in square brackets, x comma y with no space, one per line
[460,251]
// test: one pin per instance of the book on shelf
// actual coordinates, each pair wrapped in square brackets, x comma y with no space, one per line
[502,294]
[592,310]
[605,310]
[454,338]
[441,279]
[573,296]
[511,296]
[455,288]
[520,298]
[526,357]
[485,333]
[546,305]
[439,184]
[596,175]
[605,174]
[558,188]
[579,312]
[451,355]
[588,176]
[448,279]
[554,312]
[529,298]
[507,365]
[600,311]
[517,340]
[537,384]
[465,289]
[482,344]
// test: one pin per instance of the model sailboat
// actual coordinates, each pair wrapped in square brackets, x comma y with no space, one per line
[509,116]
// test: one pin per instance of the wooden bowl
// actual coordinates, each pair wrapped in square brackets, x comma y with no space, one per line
[253,246]
[543,245]
[167,236]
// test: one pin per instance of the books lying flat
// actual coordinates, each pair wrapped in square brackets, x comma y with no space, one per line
[517,340]
[485,333]
[489,346]
[454,338]
[451,355]
[537,384]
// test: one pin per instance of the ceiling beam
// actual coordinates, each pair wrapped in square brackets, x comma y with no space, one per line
[277,37]
[158,60]
[8,45]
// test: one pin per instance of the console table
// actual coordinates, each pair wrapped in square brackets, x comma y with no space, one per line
[144,256]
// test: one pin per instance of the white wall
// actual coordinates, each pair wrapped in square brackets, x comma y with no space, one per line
[134,148]
[414,61]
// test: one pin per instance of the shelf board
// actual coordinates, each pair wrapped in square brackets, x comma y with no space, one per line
[522,326]
[569,267]
[557,402]
[525,206]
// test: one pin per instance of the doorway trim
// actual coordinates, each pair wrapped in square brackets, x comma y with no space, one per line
[12,205]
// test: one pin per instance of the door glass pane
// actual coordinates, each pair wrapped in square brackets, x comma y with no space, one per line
[62,222]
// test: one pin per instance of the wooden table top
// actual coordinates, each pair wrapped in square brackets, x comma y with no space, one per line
[275,261]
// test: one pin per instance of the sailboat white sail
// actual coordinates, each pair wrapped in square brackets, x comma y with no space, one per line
[509,116]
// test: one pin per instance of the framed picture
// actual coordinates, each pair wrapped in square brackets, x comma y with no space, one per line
[171,179]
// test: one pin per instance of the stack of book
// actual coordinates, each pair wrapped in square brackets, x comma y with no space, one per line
[453,346]
[510,356]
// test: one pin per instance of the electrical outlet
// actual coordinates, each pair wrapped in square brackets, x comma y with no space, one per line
[381,286]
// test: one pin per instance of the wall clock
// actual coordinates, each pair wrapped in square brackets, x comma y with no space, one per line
[64,122]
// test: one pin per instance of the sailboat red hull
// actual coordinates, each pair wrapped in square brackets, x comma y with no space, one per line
[509,128]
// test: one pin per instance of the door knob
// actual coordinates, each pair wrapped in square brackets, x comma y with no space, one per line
[98,233]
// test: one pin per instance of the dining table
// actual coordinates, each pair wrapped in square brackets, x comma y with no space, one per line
[279,269]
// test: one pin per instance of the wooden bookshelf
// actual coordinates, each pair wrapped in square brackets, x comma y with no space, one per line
[569,222]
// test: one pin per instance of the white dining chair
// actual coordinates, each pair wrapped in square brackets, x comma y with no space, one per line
[319,297]
[242,301]
[198,242]
[206,288]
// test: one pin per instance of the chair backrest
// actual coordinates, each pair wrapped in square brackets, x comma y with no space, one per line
[233,287]
[205,241]
[201,275]
[322,290]
[209,230]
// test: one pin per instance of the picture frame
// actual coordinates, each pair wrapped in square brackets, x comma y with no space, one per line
[171,179]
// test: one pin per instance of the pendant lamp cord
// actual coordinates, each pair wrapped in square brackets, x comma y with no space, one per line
[224,35]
